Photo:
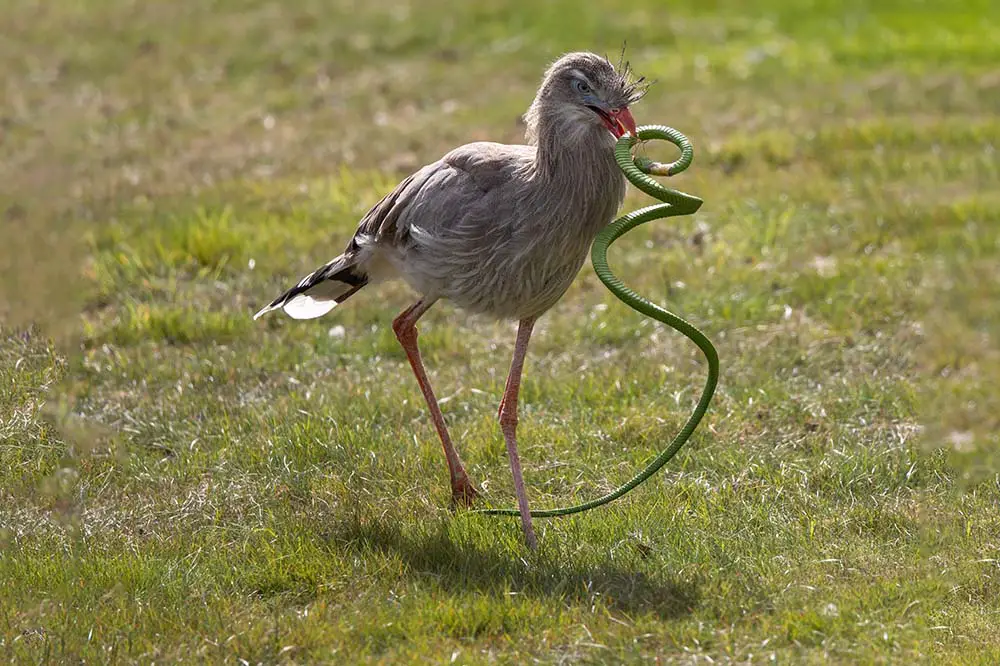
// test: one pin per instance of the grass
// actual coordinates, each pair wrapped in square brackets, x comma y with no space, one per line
[178,482]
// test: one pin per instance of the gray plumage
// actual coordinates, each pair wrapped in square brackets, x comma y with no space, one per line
[497,229]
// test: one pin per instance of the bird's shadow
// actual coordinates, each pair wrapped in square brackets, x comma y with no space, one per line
[457,566]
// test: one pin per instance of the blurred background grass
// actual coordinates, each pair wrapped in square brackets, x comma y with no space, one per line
[182,483]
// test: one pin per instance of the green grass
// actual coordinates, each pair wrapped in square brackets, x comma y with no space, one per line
[178,482]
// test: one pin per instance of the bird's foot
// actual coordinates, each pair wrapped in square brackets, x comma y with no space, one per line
[463,493]
[530,540]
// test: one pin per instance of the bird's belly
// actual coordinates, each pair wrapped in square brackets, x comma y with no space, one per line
[504,287]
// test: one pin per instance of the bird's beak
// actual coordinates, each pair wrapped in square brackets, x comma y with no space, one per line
[619,121]
[626,123]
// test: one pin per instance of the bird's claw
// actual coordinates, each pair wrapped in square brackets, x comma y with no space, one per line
[463,493]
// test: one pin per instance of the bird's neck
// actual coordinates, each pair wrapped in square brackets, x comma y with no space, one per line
[564,144]
[577,163]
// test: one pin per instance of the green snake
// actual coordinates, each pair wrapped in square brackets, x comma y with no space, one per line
[638,170]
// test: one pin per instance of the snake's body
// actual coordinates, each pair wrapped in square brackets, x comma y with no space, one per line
[638,171]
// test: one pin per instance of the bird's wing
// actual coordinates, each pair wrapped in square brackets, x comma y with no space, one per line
[380,222]
[462,189]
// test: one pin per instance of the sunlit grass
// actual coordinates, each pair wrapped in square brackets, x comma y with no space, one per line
[178,482]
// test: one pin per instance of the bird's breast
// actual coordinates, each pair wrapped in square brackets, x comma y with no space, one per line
[529,272]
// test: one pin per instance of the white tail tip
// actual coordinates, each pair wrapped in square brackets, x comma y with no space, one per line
[304,306]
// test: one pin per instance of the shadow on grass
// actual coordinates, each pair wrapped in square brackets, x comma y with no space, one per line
[430,552]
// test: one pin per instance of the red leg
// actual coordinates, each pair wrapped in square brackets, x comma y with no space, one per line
[508,425]
[503,398]
[506,388]
[462,490]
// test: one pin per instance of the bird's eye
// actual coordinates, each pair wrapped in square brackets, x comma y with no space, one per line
[582,86]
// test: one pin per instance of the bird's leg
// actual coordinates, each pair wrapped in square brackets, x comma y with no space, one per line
[503,398]
[508,424]
[404,326]
[506,386]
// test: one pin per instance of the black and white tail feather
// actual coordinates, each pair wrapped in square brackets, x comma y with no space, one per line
[336,281]
[322,290]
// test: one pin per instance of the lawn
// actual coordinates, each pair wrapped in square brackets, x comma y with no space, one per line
[179,482]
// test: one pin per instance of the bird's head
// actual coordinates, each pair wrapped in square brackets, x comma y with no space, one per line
[583,93]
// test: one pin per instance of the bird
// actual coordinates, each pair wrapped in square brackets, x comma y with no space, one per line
[495,229]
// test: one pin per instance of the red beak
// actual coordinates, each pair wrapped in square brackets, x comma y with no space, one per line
[626,123]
